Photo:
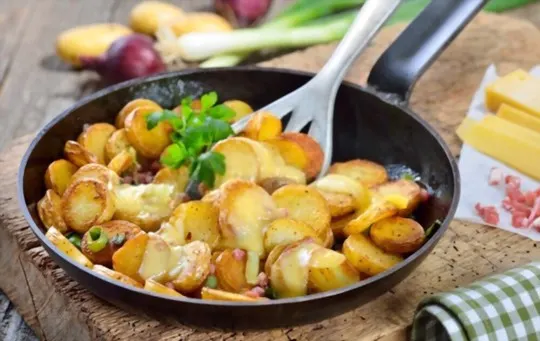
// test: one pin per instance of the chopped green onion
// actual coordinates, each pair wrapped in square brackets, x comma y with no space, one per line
[407,176]
[270,293]
[211,282]
[430,230]
[98,239]
[74,239]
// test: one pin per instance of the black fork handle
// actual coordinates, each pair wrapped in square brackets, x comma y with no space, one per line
[398,69]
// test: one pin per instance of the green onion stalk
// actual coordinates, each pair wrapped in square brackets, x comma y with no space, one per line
[97,240]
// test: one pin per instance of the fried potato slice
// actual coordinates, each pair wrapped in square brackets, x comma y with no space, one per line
[397,235]
[157,259]
[132,105]
[340,204]
[305,204]
[149,143]
[378,210]
[104,271]
[241,161]
[85,203]
[192,266]
[311,148]
[407,189]
[178,177]
[272,258]
[231,272]
[97,172]
[290,272]
[50,211]
[286,231]
[220,295]
[116,230]
[291,152]
[193,220]
[122,162]
[329,270]
[241,108]
[95,137]
[128,258]
[366,172]
[64,245]
[273,184]
[117,143]
[144,205]
[366,257]
[159,288]
[245,210]
[337,225]
[58,175]
[263,126]
[343,194]
[329,239]
[78,155]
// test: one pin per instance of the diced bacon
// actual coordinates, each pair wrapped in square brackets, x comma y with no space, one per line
[519,219]
[424,195]
[239,254]
[496,176]
[520,207]
[536,224]
[255,292]
[169,285]
[488,214]
[155,166]
[514,193]
[530,197]
[535,211]
[507,204]
[262,280]
[513,181]
[212,269]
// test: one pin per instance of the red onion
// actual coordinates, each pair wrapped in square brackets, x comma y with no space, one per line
[128,57]
[242,13]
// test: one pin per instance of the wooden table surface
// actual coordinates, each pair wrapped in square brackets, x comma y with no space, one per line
[35,85]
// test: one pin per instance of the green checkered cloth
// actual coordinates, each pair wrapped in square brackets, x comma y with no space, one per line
[504,307]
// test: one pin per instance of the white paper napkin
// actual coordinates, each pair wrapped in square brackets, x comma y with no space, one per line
[475,168]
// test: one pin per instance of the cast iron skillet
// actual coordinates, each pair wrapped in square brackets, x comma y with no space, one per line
[372,123]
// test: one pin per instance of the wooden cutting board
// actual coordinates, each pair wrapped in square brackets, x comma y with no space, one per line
[57,308]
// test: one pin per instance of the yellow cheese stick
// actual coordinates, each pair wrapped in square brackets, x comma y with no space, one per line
[520,117]
[500,124]
[515,151]
[518,89]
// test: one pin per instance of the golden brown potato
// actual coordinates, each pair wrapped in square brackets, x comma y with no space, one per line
[177,177]
[117,143]
[291,152]
[122,162]
[220,295]
[157,259]
[50,211]
[116,276]
[144,205]
[290,272]
[97,172]
[366,172]
[337,225]
[88,40]
[340,204]
[241,161]
[95,137]
[159,288]
[241,109]
[146,16]
[231,272]
[272,258]
[78,155]
[263,126]
[312,149]
[273,184]
[192,268]
[149,143]
[64,245]
[85,203]
[286,231]
[200,22]
[343,194]
[328,242]
[132,105]
[113,229]
[128,258]
[397,235]
[245,210]
[404,188]
[366,257]
[378,210]
[193,220]
[58,175]
[305,204]
[212,197]
[329,270]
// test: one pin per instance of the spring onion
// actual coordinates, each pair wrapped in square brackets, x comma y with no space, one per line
[97,239]
[211,282]
[74,239]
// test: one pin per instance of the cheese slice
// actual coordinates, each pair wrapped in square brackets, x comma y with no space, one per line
[519,117]
[500,124]
[504,145]
[518,89]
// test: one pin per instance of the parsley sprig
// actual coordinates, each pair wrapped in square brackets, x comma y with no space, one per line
[194,134]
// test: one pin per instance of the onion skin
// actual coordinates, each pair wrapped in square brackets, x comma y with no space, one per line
[128,57]
[242,13]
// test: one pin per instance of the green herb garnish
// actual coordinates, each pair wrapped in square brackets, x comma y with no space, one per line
[211,282]
[194,134]
[74,239]
[430,230]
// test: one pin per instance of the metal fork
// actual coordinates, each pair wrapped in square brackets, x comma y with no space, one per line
[314,101]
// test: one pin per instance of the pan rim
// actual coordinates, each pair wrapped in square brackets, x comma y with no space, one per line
[433,240]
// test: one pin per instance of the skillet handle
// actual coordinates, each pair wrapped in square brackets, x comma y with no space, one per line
[419,45]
